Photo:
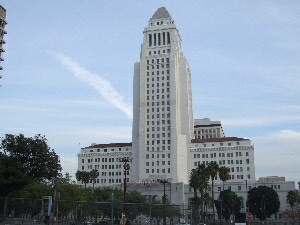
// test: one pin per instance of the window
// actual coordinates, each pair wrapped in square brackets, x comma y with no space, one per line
[239,188]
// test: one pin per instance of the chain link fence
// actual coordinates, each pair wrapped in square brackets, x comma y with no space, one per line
[39,211]
[35,211]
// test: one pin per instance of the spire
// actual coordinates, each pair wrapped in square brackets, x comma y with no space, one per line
[161,13]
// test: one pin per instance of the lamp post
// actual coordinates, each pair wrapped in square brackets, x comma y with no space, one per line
[164,182]
[126,167]
[112,208]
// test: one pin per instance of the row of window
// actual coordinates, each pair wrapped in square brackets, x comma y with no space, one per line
[221,144]
[111,181]
[157,79]
[207,131]
[157,92]
[158,148]
[214,155]
[158,52]
[222,162]
[158,61]
[157,116]
[158,135]
[158,156]
[105,159]
[158,170]
[118,173]
[158,122]
[105,150]
[158,73]
[158,163]
[162,66]
[158,128]
[158,142]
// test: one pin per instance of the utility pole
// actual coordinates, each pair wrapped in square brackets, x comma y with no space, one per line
[54,194]
[126,167]
[247,203]
[112,208]
[164,182]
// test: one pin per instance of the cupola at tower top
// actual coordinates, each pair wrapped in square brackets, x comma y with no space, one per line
[161,17]
[161,13]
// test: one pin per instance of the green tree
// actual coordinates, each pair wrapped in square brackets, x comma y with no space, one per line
[224,174]
[263,202]
[194,182]
[213,169]
[157,211]
[24,160]
[293,199]
[228,204]
[93,175]
[83,176]
[136,204]
[203,177]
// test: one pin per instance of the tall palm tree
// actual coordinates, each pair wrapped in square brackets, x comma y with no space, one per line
[93,175]
[206,199]
[203,177]
[194,183]
[85,177]
[78,175]
[224,176]
[213,169]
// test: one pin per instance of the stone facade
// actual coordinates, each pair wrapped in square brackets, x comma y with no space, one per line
[167,143]
[162,104]
[205,128]
[3,22]
[106,159]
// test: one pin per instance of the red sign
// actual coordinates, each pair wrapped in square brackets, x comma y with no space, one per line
[249,216]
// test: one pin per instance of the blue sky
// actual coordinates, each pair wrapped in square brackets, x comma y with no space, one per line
[68,72]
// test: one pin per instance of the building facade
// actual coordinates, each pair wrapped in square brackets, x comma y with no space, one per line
[3,22]
[235,153]
[205,128]
[162,105]
[106,158]
[167,143]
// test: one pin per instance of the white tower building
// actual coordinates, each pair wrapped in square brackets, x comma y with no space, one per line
[162,104]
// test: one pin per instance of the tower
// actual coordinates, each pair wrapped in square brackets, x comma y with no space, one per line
[162,104]
[2,31]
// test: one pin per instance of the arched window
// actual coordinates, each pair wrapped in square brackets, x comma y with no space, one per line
[164,38]
[154,40]
[168,36]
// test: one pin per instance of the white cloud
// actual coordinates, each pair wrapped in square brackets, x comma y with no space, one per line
[103,86]
[69,165]
[260,121]
[278,154]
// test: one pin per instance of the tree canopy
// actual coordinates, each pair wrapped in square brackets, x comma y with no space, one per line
[24,160]
[263,202]
[227,204]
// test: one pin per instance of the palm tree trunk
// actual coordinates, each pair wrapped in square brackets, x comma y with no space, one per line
[213,198]
[202,206]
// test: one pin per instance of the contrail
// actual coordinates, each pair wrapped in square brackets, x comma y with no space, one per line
[102,85]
